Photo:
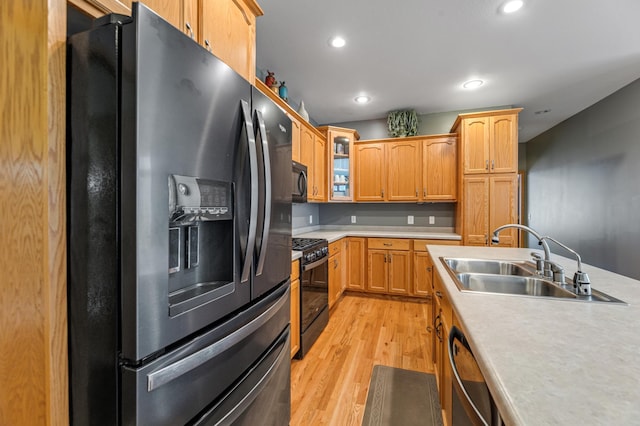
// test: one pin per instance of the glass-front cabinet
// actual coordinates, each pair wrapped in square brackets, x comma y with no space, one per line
[340,161]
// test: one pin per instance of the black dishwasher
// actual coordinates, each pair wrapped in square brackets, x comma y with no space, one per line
[472,403]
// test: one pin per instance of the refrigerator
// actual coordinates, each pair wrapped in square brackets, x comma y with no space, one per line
[179,233]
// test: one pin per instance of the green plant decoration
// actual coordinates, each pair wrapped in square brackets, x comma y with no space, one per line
[402,123]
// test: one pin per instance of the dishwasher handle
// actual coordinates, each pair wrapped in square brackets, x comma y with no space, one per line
[457,337]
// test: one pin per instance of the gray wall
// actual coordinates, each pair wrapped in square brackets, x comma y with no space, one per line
[428,124]
[583,182]
[373,214]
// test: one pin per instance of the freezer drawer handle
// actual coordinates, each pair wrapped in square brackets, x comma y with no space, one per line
[177,369]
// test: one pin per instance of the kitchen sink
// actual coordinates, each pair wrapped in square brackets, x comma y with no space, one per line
[512,284]
[482,266]
[513,277]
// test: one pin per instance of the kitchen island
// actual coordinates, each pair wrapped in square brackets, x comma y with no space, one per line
[551,361]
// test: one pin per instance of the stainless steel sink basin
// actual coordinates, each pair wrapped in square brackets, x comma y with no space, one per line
[482,266]
[511,284]
[513,277]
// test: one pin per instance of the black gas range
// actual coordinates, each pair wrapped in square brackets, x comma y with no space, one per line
[314,289]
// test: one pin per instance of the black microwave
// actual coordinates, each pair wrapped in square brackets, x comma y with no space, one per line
[299,183]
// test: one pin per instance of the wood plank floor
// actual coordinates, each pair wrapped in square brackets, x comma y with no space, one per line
[329,386]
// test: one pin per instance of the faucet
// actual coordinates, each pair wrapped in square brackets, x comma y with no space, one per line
[548,266]
[581,282]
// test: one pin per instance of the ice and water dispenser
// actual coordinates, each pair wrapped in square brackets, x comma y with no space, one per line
[201,241]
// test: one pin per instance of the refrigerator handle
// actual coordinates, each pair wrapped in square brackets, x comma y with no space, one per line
[253,213]
[266,228]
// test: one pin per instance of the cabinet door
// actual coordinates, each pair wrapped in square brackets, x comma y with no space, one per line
[334,279]
[97,8]
[476,211]
[378,271]
[422,274]
[399,266]
[229,31]
[295,140]
[295,316]
[356,277]
[503,192]
[340,163]
[369,181]
[403,171]
[320,168]
[182,14]
[504,143]
[475,145]
[439,169]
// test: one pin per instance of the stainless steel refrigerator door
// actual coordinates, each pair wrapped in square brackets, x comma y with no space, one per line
[273,248]
[181,115]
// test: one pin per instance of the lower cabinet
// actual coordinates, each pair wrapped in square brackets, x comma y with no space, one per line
[389,265]
[356,263]
[336,271]
[443,319]
[295,307]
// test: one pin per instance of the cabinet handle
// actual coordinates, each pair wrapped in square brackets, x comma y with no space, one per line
[385,258]
[429,329]
[382,192]
[428,268]
[335,263]
[207,44]
[493,164]
[387,244]
[486,240]
[389,258]
[188,25]
[486,165]
[424,192]
[439,294]
[416,193]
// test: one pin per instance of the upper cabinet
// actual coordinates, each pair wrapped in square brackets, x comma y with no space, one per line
[340,161]
[415,169]
[227,28]
[489,141]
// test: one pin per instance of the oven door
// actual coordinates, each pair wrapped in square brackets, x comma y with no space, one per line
[314,291]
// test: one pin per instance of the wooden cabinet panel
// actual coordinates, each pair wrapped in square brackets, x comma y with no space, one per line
[295,317]
[319,168]
[399,266]
[503,208]
[422,274]
[334,279]
[403,170]
[475,139]
[439,169]
[389,243]
[357,277]
[476,210]
[340,161]
[306,149]
[228,30]
[504,143]
[369,176]
[377,271]
[296,129]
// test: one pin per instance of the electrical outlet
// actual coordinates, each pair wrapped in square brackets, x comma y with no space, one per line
[310,218]
[353,219]
[432,220]
[410,220]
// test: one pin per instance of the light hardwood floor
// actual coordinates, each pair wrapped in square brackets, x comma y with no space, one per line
[329,386]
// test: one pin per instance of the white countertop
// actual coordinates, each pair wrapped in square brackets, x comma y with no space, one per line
[332,234]
[552,361]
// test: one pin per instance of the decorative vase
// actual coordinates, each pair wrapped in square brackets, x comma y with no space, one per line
[303,112]
[270,80]
[283,92]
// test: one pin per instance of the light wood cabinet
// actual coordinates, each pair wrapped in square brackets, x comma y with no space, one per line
[439,169]
[296,129]
[490,202]
[489,141]
[313,155]
[295,307]
[356,277]
[369,176]
[423,266]
[336,272]
[389,265]
[227,28]
[339,161]
[408,170]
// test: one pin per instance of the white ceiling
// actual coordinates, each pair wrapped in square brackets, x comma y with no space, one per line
[557,55]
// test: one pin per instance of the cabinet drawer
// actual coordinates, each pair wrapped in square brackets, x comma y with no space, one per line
[334,247]
[420,245]
[389,243]
[295,270]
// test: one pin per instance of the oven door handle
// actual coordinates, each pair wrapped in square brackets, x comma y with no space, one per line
[314,264]
[196,359]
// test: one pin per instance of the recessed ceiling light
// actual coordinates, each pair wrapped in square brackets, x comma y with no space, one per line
[473,84]
[362,99]
[337,41]
[512,6]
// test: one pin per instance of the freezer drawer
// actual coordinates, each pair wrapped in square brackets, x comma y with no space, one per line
[185,383]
